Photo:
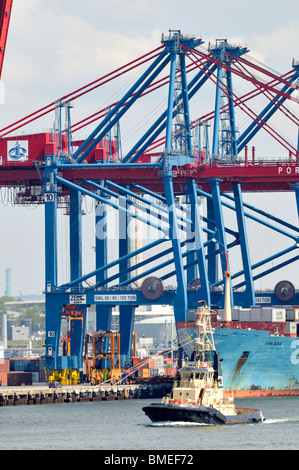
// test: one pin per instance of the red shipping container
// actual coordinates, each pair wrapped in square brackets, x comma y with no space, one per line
[19,378]
[170,371]
[144,363]
[3,378]
[168,360]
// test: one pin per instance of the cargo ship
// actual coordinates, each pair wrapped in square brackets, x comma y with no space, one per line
[259,348]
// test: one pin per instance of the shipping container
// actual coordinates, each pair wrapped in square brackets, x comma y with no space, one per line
[4,365]
[19,378]
[151,363]
[279,315]
[35,377]
[31,365]
[3,378]
[42,376]
[291,328]
[144,363]
[256,314]
[245,314]
[171,366]
[159,361]
[144,373]
[157,372]
[290,314]
[17,365]
[220,315]
[168,360]
[170,371]
[273,314]
[236,314]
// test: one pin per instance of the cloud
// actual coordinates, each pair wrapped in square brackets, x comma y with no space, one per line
[99,52]
[53,50]
[279,47]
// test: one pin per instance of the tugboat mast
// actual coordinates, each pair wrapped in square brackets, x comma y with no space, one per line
[204,343]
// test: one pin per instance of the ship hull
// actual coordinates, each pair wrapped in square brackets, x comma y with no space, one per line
[199,414]
[254,363]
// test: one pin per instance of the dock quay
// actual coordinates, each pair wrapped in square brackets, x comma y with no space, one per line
[42,394]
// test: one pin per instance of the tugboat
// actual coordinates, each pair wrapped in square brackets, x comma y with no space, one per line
[197,393]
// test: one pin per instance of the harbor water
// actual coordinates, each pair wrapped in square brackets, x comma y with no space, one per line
[122,425]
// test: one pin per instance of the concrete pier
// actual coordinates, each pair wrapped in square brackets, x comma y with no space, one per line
[39,395]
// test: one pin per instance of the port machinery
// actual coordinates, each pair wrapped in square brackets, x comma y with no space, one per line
[160,184]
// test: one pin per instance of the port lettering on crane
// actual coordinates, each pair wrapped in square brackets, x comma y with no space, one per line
[288,170]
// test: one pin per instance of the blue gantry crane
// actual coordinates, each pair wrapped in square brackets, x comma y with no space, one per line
[162,191]
[195,272]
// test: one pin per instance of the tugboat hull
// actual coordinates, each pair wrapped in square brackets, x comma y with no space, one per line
[199,414]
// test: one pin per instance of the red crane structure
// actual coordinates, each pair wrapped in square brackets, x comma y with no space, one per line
[159,182]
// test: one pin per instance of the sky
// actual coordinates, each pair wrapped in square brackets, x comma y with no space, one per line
[55,47]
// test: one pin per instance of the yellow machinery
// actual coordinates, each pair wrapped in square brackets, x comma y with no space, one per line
[64,376]
[67,376]
[104,363]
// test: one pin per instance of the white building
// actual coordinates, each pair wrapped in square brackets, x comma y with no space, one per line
[20,333]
